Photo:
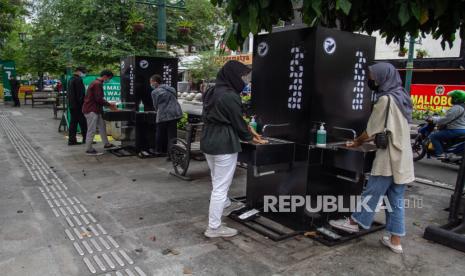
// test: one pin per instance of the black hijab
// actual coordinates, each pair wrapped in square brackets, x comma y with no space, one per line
[228,80]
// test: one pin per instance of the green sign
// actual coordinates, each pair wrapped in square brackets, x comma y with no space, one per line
[7,69]
[111,89]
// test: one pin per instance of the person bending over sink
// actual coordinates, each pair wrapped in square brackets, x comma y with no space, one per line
[224,127]
[393,166]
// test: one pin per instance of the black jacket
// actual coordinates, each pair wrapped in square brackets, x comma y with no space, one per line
[224,126]
[76,92]
[14,84]
[222,114]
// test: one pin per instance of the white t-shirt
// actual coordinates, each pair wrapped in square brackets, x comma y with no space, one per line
[397,159]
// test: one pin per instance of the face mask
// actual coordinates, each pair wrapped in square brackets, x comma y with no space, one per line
[153,85]
[372,85]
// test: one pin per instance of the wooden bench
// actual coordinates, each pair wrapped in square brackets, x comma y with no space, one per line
[28,95]
[44,97]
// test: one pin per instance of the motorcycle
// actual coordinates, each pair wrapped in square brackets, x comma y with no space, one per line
[422,146]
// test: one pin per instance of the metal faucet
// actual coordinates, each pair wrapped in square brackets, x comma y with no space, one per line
[354,133]
[265,127]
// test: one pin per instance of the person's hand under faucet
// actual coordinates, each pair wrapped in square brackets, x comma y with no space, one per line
[257,138]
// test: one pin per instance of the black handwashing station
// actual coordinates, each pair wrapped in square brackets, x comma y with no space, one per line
[302,78]
[136,116]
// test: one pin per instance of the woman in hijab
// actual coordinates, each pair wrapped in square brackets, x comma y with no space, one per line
[223,130]
[393,166]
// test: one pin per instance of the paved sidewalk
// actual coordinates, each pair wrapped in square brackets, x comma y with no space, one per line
[54,200]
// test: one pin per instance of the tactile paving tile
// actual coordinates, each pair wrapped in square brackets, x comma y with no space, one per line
[100,251]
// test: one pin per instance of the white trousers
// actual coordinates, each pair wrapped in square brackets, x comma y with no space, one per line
[222,169]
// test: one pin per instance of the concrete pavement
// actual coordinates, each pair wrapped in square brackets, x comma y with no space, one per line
[150,223]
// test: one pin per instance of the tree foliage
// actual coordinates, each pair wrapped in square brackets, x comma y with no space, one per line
[9,12]
[206,67]
[97,33]
[393,18]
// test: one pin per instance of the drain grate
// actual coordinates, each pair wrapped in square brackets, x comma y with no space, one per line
[100,252]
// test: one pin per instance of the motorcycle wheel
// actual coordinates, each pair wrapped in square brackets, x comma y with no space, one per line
[418,148]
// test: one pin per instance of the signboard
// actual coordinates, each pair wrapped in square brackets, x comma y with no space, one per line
[7,69]
[246,59]
[111,89]
[432,96]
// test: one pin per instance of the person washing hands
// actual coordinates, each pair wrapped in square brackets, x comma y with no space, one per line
[224,128]
[92,109]
[393,165]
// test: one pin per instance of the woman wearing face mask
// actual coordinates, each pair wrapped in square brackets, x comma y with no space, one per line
[393,166]
[223,130]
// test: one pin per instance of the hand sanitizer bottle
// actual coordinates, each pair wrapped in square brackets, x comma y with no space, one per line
[321,136]
[253,123]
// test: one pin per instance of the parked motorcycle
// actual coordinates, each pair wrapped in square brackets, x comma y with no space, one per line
[422,146]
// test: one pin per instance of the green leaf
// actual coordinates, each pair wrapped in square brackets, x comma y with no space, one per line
[424,16]
[404,15]
[253,19]
[316,6]
[264,3]
[344,5]
[440,6]
[416,10]
[243,21]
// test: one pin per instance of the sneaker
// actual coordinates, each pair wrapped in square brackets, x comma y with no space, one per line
[109,146]
[344,225]
[93,152]
[220,232]
[233,206]
[386,241]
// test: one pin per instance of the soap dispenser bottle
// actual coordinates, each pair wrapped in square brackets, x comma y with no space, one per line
[253,123]
[321,136]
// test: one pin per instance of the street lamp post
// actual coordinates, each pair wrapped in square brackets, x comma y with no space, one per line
[409,67]
[161,25]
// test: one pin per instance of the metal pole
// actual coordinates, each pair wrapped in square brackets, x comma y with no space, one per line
[409,71]
[68,64]
[161,42]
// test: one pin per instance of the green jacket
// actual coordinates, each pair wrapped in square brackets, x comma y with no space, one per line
[224,126]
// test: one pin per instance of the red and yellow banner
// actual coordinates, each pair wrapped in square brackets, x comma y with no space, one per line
[245,58]
[432,96]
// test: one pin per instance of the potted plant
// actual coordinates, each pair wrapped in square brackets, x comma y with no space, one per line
[136,22]
[421,53]
[402,51]
[185,27]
